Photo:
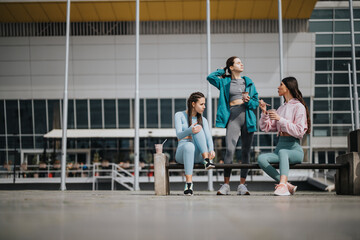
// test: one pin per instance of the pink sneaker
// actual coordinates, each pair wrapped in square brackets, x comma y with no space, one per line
[281,190]
[291,188]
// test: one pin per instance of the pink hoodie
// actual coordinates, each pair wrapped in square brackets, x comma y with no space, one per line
[292,119]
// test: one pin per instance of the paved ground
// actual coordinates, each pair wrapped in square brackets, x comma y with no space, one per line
[78,215]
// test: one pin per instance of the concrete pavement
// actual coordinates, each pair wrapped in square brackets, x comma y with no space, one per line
[79,215]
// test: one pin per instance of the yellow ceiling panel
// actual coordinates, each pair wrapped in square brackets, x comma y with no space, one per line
[174,10]
[37,12]
[307,8]
[261,9]
[19,12]
[226,9]
[105,11]
[87,10]
[191,10]
[244,9]
[5,14]
[152,10]
[157,10]
[123,11]
[53,11]
[75,13]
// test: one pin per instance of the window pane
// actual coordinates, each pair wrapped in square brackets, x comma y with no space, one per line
[342,118]
[322,14]
[341,78]
[323,52]
[180,105]
[27,142]
[277,102]
[323,65]
[341,92]
[124,113]
[324,39]
[152,113]
[342,39]
[26,117]
[2,117]
[320,26]
[95,114]
[265,140]
[54,114]
[323,78]
[342,13]
[342,52]
[341,130]
[82,143]
[166,113]
[13,142]
[340,65]
[12,117]
[321,131]
[2,143]
[71,121]
[40,142]
[341,105]
[110,113]
[342,26]
[322,105]
[40,116]
[323,92]
[323,118]
[82,114]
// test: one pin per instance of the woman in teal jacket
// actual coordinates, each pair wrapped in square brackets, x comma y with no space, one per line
[237,101]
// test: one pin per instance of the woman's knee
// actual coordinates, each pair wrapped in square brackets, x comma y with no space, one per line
[262,160]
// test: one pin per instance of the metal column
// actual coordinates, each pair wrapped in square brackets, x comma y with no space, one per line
[65,100]
[137,102]
[356,98]
[351,98]
[209,101]
[280,41]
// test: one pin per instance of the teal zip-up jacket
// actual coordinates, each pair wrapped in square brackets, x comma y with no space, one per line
[223,110]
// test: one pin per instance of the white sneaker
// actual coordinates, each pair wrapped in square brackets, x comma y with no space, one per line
[224,190]
[242,190]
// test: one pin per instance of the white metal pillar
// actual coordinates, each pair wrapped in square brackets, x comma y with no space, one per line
[351,98]
[65,100]
[356,97]
[280,41]
[209,101]
[137,101]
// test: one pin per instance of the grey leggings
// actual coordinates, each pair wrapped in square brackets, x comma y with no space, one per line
[235,128]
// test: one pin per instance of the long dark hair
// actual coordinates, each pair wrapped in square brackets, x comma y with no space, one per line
[229,63]
[292,84]
[194,97]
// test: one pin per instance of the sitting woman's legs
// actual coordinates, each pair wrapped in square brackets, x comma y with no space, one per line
[288,157]
[264,161]
[185,155]
[200,143]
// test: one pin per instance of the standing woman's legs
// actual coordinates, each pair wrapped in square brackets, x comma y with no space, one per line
[246,142]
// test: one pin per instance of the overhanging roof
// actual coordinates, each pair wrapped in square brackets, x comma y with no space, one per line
[122,133]
[150,10]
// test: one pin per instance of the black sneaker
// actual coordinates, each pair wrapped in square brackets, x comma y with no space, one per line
[208,164]
[188,191]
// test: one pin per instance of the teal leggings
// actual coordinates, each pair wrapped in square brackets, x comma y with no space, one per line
[288,151]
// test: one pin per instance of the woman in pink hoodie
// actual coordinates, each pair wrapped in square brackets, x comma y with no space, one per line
[291,121]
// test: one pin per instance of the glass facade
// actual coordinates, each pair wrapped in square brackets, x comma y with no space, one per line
[34,118]
[331,112]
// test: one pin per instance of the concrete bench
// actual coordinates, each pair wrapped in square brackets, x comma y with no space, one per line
[346,182]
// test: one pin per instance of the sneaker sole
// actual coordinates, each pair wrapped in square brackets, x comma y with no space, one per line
[209,167]
[189,194]
[285,194]
[247,193]
[219,193]
[295,188]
